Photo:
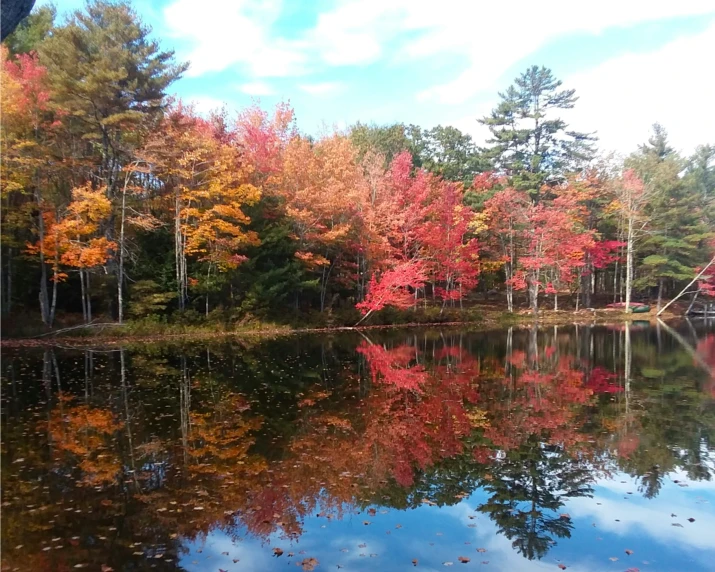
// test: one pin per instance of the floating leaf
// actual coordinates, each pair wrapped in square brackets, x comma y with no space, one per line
[308,563]
[463,559]
[628,551]
[277,551]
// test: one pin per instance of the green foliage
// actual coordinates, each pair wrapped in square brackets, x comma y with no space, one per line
[388,140]
[529,144]
[31,31]
[148,299]
[680,212]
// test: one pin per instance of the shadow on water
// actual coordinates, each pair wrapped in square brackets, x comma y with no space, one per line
[566,445]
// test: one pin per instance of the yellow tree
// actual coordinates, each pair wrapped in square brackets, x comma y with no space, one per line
[205,180]
[323,188]
[82,248]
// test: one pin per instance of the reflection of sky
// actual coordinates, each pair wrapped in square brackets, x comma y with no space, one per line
[604,527]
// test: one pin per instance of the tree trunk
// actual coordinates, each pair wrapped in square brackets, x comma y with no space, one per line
[55,280]
[89,296]
[629,265]
[83,296]
[44,295]
[660,294]
[120,272]
[8,284]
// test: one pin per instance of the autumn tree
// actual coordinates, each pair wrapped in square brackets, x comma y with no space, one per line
[205,181]
[530,144]
[31,185]
[631,199]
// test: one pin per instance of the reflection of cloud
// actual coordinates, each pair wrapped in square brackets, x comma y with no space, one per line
[651,516]
[251,555]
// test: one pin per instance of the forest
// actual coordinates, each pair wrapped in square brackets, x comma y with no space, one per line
[122,203]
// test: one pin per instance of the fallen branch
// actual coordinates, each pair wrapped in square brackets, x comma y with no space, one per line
[709,264]
[90,325]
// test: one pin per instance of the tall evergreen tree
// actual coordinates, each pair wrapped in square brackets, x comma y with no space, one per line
[529,143]
[680,225]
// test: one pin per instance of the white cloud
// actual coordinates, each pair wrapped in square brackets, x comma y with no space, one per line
[322,88]
[205,104]
[257,88]
[227,32]
[623,97]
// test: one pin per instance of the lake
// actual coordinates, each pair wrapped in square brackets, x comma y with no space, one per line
[572,447]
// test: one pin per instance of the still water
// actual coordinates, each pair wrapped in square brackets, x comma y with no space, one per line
[580,448]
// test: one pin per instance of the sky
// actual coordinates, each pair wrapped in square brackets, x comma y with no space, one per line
[632,62]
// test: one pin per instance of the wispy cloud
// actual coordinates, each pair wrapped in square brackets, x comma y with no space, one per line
[624,96]
[322,88]
[257,88]
[223,33]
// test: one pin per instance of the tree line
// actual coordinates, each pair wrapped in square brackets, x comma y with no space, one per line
[119,199]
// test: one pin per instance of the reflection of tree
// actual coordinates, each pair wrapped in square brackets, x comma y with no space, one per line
[178,441]
[528,487]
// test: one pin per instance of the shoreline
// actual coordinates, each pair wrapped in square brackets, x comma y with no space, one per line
[492,320]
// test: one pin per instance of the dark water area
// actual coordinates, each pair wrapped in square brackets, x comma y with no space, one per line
[572,447]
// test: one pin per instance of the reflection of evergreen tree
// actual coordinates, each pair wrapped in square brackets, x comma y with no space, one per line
[528,487]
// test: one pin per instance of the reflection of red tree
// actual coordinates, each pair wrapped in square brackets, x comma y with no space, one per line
[601,381]
[542,399]
[394,366]
[409,430]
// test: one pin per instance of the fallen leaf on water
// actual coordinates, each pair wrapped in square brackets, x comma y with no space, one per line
[362,545]
[613,558]
[308,563]
[562,567]
[691,520]
[463,559]
[277,551]
[371,511]
[446,563]
[482,550]
[414,562]
[677,524]
[565,515]
[633,570]
[366,522]
[398,526]
[628,551]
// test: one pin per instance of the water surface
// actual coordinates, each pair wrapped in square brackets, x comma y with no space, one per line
[589,448]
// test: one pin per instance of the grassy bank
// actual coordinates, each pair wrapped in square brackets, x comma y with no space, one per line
[105,332]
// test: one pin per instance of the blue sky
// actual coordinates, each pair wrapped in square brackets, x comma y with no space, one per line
[632,62]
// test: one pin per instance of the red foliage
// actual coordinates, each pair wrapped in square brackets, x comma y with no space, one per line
[601,381]
[392,287]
